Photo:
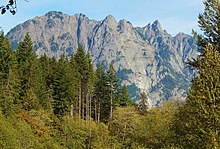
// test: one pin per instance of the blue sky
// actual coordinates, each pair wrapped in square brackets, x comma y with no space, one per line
[174,15]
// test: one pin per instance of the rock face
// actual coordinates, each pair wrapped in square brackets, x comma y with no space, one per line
[146,58]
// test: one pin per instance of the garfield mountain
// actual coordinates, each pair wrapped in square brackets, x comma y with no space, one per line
[147,59]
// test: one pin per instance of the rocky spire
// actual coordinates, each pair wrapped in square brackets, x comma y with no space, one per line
[156,26]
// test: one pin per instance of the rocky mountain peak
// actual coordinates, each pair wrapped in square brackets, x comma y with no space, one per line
[54,14]
[181,36]
[156,26]
[109,19]
[124,25]
[109,22]
[51,13]
[80,16]
[148,26]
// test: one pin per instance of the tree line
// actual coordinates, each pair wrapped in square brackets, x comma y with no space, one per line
[68,86]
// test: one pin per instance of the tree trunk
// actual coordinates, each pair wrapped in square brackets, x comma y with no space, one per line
[90,106]
[80,98]
[99,110]
[71,112]
[83,106]
[111,110]
[87,105]
[95,111]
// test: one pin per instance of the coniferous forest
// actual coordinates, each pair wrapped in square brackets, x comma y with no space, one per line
[66,103]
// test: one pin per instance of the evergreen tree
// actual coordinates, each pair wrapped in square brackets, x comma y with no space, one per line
[99,94]
[82,70]
[62,88]
[143,105]
[39,86]
[112,90]
[197,124]
[50,76]
[30,77]
[8,77]
[199,119]
[91,81]
[210,25]
[124,97]
[48,68]
[6,54]
[75,86]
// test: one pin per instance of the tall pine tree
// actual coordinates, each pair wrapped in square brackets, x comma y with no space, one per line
[48,69]
[9,83]
[113,89]
[209,23]
[75,86]
[82,70]
[27,64]
[90,86]
[62,88]
[143,104]
[198,122]
[124,97]
[99,94]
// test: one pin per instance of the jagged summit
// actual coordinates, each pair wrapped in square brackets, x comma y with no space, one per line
[145,58]
[181,35]
[109,17]
[53,13]
[122,24]
[156,26]
[80,15]
[110,21]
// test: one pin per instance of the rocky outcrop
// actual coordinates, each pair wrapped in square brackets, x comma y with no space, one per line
[146,58]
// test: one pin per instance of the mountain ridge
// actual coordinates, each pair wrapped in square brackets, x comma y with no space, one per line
[146,58]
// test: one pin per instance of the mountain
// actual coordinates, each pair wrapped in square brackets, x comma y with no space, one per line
[146,58]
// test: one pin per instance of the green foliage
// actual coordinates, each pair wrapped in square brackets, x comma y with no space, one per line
[27,65]
[62,88]
[23,132]
[45,103]
[154,129]
[200,127]
[85,134]
[197,124]
[8,77]
[47,68]
[124,97]
[82,67]
[106,95]
[99,94]
[209,24]
[112,90]
[143,104]
[123,125]
[8,134]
